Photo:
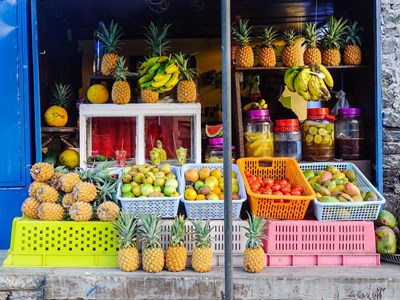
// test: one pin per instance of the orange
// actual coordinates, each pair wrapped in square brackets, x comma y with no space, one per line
[217,173]
[200,197]
[56,116]
[190,194]
[69,158]
[217,190]
[204,173]
[97,94]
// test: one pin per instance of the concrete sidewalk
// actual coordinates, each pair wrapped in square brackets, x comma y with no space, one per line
[273,283]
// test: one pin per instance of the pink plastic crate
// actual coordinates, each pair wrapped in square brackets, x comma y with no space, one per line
[322,260]
[315,237]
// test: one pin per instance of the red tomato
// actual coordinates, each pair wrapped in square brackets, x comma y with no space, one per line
[278,201]
[268,181]
[287,194]
[283,182]
[267,191]
[247,173]
[275,187]
[254,186]
[299,187]
[285,189]
[295,192]
[277,193]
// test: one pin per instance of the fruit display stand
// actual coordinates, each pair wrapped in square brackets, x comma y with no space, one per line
[306,243]
[140,112]
[364,210]
[272,206]
[211,209]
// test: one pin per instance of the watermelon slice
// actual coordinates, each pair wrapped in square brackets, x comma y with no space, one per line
[212,131]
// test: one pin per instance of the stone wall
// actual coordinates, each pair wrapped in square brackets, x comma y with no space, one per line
[390,30]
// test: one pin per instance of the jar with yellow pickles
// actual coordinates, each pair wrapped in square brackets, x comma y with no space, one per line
[258,134]
[318,135]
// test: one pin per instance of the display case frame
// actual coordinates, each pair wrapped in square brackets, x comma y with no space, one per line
[139,111]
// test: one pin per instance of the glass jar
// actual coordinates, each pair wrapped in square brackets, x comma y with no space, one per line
[287,139]
[349,134]
[258,133]
[215,151]
[318,135]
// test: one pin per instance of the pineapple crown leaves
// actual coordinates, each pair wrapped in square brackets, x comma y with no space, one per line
[178,231]
[98,173]
[242,32]
[121,71]
[186,73]
[111,37]
[106,191]
[255,231]
[150,230]
[289,36]
[156,38]
[202,232]
[61,94]
[352,34]
[311,36]
[268,37]
[127,227]
[333,38]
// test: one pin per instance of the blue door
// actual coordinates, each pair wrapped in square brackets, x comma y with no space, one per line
[16,135]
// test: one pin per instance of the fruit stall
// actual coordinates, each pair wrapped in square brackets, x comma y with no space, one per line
[126,168]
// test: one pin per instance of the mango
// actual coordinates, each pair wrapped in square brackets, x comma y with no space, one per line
[385,218]
[339,175]
[385,240]
[332,169]
[319,173]
[339,188]
[314,179]
[325,177]
[350,174]
[357,198]
[308,174]
[351,189]
[343,197]
[328,199]
[320,189]
[338,181]
[330,185]
[370,196]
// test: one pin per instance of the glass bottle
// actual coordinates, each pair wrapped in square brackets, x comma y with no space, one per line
[215,151]
[287,139]
[258,133]
[98,50]
[349,134]
[318,135]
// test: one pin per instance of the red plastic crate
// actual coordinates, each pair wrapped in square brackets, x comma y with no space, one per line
[317,238]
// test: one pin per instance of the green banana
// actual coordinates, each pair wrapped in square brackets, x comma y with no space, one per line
[289,71]
[162,59]
[154,67]
[157,84]
[328,77]
[146,85]
[145,78]
[145,66]
[290,80]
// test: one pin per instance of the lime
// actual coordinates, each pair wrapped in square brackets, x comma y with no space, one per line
[329,127]
[313,130]
[309,138]
[306,127]
[322,131]
[317,139]
[326,140]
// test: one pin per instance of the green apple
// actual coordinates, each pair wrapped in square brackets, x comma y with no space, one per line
[128,195]
[146,189]
[157,188]
[126,188]
[198,184]
[169,190]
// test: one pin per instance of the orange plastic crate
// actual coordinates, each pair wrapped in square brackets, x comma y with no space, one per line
[294,207]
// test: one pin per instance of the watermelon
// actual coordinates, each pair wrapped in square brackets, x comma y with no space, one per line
[50,157]
[214,130]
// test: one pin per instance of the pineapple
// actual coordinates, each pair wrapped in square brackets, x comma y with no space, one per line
[80,211]
[202,254]
[67,200]
[33,188]
[128,256]
[186,90]
[84,191]
[121,91]
[68,181]
[42,171]
[352,50]
[290,52]
[266,54]
[55,179]
[108,211]
[253,259]
[176,255]
[153,255]
[148,96]
[50,212]
[244,54]
[111,39]
[312,54]
[47,193]
[30,208]
[332,41]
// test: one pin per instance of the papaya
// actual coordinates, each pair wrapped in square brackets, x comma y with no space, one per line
[385,240]
[385,218]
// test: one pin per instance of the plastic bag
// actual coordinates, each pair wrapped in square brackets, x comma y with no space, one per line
[341,103]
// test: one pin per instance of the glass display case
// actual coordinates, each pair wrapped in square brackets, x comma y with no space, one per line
[106,129]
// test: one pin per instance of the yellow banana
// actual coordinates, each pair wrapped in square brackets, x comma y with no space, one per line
[251,106]
[261,102]
[328,77]
[162,59]
[160,76]
[314,88]
[172,68]
[162,89]
[157,84]
[302,79]
[146,78]
[173,80]
[324,89]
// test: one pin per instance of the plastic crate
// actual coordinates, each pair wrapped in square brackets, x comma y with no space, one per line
[314,237]
[37,243]
[367,210]
[211,209]
[294,207]
[167,207]
[322,260]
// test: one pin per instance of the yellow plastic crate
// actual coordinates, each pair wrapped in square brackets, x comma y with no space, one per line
[37,243]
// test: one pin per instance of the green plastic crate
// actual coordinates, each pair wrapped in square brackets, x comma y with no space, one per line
[36,243]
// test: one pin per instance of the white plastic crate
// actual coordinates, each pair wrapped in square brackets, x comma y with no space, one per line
[206,209]
[167,207]
[367,210]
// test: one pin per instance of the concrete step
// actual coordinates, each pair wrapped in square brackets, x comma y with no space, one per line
[272,283]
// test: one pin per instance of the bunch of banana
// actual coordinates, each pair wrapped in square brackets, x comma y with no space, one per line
[159,74]
[305,82]
[260,104]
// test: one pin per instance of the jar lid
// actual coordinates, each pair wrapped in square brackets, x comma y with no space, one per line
[216,141]
[257,113]
[317,111]
[287,123]
[349,111]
